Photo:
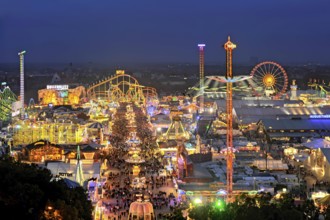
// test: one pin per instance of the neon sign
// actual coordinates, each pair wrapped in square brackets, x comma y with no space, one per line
[320,116]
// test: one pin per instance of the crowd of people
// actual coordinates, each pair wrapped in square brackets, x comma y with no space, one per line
[119,190]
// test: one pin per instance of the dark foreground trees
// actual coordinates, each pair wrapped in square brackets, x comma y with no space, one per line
[259,207]
[27,192]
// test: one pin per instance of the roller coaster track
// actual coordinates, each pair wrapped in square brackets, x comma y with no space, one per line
[7,98]
[121,88]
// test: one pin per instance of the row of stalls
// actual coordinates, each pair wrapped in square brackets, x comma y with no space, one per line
[43,150]
[74,164]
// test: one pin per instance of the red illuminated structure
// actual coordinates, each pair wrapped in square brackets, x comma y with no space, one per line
[229,80]
[229,47]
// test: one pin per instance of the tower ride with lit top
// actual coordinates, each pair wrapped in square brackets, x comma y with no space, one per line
[201,76]
[229,80]
[21,70]
[229,47]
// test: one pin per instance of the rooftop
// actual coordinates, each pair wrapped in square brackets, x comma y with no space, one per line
[300,124]
[244,103]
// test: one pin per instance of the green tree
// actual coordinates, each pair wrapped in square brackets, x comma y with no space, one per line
[200,212]
[176,214]
[256,207]
[308,208]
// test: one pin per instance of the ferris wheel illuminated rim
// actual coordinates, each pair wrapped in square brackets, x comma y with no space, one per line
[270,75]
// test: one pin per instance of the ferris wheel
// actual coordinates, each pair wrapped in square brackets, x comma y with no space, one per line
[270,79]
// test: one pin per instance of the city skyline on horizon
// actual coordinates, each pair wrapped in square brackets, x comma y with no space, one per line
[121,33]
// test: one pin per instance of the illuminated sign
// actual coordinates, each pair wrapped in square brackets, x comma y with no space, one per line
[64,174]
[120,72]
[58,87]
[319,116]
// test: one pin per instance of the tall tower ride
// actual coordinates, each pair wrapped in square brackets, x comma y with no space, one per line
[201,76]
[229,47]
[229,79]
[21,70]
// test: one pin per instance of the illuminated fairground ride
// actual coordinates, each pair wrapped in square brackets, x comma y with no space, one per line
[7,98]
[270,79]
[61,95]
[31,103]
[31,111]
[150,95]
[229,79]
[321,88]
[121,88]
[217,89]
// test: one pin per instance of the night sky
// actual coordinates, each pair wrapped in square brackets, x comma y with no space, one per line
[158,31]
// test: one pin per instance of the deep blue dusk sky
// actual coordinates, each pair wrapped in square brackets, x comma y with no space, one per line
[147,31]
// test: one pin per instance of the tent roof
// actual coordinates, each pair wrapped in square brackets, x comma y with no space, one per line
[317,143]
[70,183]
[326,153]
[40,143]
[301,124]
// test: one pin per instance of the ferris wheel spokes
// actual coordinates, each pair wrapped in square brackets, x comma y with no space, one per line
[271,77]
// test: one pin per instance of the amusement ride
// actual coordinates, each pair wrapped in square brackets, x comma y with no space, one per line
[7,98]
[270,79]
[122,88]
[229,79]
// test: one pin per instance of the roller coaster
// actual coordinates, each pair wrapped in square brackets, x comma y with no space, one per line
[121,88]
[7,98]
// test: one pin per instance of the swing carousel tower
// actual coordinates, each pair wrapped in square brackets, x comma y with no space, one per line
[229,80]
[229,47]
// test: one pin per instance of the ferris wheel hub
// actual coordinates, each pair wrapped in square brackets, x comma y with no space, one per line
[269,80]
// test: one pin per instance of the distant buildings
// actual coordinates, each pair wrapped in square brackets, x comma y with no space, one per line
[288,129]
